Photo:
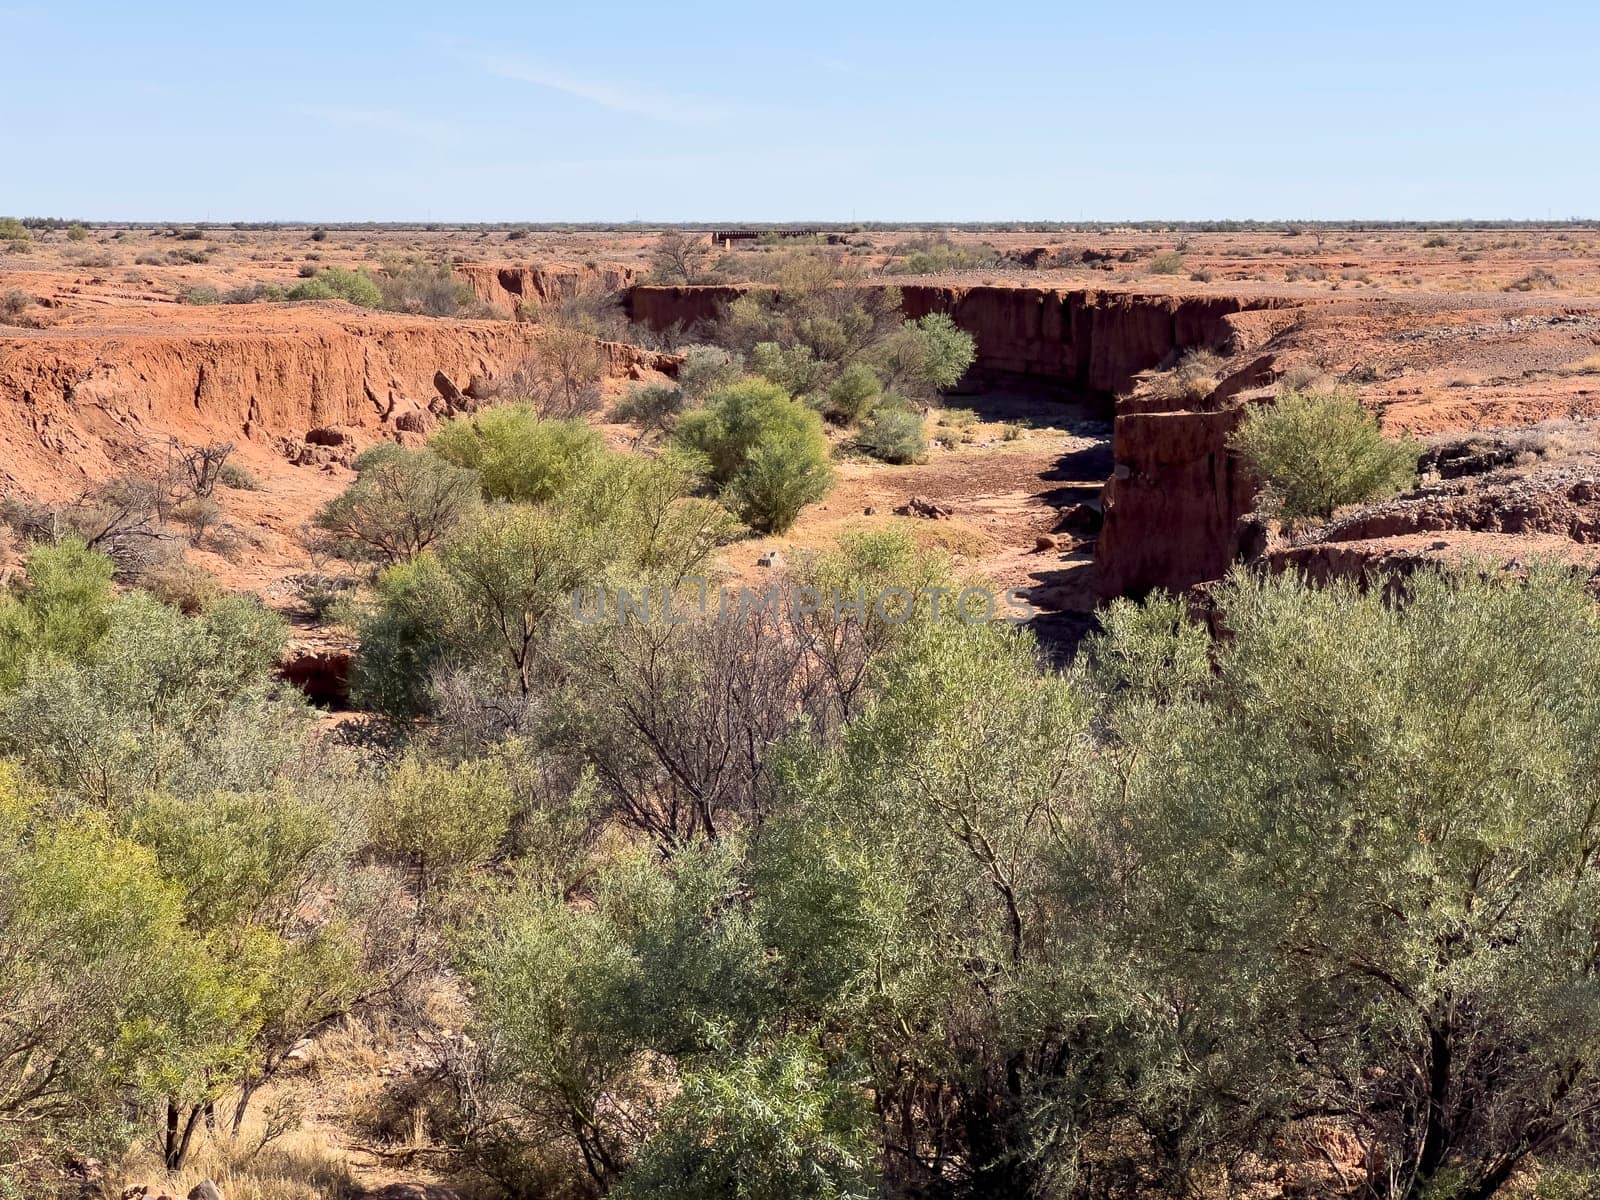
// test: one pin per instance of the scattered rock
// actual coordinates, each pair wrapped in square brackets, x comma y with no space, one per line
[412,1191]
[1080,518]
[326,436]
[335,678]
[772,558]
[205,1190]
[88,1175]
[415,421]
[449,392]
[928,509]
[869,511]
[1045,542]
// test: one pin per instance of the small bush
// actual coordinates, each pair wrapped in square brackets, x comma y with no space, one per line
[519,456]
[13,230]
[1194,378]
[653,407]
[77,233]
[180,584]
[307,270]
[852,395]
[336,283]
[253,293]
[1536,280]
[13,304]
[764,450]
[1317,450]
[705,369]
[895,434]
[1169,262]
[232,475]
[321,593]
[319,234]
[425,289]
[199,515]
[203,294]
[402,502]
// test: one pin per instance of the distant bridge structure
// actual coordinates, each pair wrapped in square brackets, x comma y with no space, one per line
[726,237]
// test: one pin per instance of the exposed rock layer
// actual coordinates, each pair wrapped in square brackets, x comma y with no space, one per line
[77,406]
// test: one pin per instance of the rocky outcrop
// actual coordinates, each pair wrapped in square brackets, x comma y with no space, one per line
[508,288]
[79,406]
[1175,503]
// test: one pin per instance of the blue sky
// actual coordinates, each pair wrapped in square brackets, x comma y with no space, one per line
[815,109]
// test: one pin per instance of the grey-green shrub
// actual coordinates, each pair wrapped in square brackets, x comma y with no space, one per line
[765,451]
[895,433]
[1318,449]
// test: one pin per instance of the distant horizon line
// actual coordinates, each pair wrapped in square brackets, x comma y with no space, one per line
[1019,224]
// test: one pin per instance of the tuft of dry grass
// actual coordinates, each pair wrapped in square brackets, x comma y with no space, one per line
[1194,378]
[1584,366]
[960,538]
[1536,280]
[297,1164]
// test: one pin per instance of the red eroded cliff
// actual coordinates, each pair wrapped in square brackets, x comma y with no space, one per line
[1087,338]
[507,287]
[661,308]
[76,404]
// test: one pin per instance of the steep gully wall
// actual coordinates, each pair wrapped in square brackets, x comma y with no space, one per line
[79,406]
[1175,503]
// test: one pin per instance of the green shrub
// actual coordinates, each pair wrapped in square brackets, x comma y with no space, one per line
[59,608]
[518,455]
[1317,450]
[1168,262]
[796,369]
[1193,379]
[402,502]
[852,395]
[705,369]
[895,433]
[653,407]
[337,283]
[425,288]
[232,475]
[77,233]
[774,1123]
[202,294]
[442,820]
[765,451]
[13,230]
[926,357]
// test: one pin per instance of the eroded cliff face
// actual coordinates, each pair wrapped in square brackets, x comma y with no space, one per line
[662,308]
[1082,338]
[1174,508]
[81,406]
[506,288]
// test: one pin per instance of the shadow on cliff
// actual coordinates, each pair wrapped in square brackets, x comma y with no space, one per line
[1079,475]
[1037,403]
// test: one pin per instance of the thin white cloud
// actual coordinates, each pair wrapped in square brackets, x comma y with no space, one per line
[609,94]
[386,120]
